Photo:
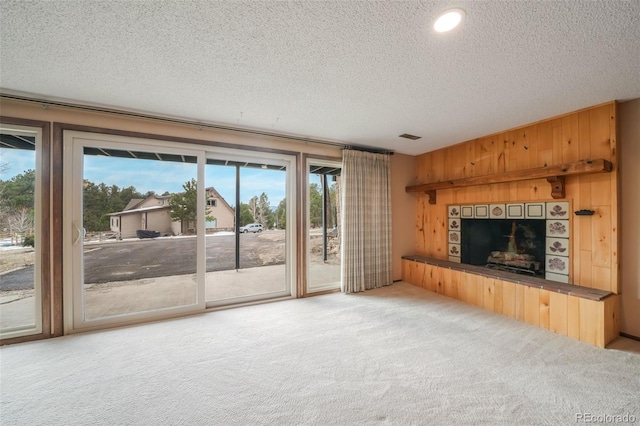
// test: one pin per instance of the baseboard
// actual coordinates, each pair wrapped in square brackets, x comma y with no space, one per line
[630,336]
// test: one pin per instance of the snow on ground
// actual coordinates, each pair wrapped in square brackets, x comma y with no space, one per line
[5,245]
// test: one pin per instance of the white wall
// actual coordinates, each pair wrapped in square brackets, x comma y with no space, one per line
[629,146]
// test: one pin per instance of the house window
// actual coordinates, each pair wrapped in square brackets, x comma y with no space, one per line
[212,202]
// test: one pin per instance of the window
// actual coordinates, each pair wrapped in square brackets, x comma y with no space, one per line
[212,202]
[23,232]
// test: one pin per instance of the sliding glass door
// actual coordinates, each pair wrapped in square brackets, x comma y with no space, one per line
[152,230]
[133,231]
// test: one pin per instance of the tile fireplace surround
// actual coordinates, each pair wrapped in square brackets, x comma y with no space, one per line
[555,213]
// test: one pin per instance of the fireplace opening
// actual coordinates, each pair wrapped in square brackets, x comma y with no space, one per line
[515,245]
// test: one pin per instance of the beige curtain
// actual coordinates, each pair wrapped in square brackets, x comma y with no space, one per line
[366,221]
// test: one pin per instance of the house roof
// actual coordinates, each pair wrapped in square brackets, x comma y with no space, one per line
[134,202]
[216,194]
[140,210]
[352,72]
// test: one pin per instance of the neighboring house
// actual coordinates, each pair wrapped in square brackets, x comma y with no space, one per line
[151,213]
[220,210]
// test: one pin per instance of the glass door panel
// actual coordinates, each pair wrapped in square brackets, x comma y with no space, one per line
[323,222]
[20,232]
[135,231]
[252,262]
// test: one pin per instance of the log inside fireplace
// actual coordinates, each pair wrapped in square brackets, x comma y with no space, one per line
[513,262]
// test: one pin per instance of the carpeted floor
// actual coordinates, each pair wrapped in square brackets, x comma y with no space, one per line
[398,355]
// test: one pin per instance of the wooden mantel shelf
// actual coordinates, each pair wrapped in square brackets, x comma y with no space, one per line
[554,175]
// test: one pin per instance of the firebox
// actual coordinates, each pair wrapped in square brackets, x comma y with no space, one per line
[516,245]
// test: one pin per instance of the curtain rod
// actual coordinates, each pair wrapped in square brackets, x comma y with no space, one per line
[130,114]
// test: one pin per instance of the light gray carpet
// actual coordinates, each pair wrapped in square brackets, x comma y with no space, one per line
[398,355]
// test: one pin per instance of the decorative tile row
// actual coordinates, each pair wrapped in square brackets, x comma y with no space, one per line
[550,210]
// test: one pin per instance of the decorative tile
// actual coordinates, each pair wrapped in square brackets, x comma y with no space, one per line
[454,259]
[454,237]
[558,210]
[556,277]
[466,212]
[454,249]
[558,228]
[557,265]
[454,224]
[515,211]
[497,211]
[557,246]
[482,211]
[454,211]
[534,210]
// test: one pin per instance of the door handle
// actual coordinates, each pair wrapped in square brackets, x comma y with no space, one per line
[78,233]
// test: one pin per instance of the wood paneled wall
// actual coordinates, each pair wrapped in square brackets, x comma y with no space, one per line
[581,135]
[590,321]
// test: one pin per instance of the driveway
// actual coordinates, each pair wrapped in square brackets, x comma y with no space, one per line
[150,258]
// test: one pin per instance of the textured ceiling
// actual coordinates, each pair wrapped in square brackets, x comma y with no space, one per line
[353,72]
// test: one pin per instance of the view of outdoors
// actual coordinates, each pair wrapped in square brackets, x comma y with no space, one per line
[324,238]
[139,226]
[140,237]
[17,233]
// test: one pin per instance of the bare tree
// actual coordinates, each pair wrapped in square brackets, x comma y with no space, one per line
[20,221]
[253,208]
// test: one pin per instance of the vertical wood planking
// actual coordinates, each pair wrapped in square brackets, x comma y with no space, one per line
[479,287]
[612,318]
[582,135]
[573,317]
[615,194]
[601,278]
[558,313]
[509,299]
[520,302]
[532,305]
[498,296]
[545,315]
[592,322]
[472,294]
[585,134]
[570,139]
[488,293]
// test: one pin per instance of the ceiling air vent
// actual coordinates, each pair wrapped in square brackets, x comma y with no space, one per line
[408,136]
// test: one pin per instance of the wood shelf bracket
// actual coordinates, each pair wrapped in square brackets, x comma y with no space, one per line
[557,186]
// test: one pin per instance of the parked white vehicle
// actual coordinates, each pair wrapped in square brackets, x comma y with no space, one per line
[251,227]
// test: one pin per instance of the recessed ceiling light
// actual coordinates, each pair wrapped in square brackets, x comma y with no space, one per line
[448,20]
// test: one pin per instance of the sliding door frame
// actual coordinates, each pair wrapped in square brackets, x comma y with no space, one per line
[43,173]
[289,162]
[57,184]
[74,144]
[303,205]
